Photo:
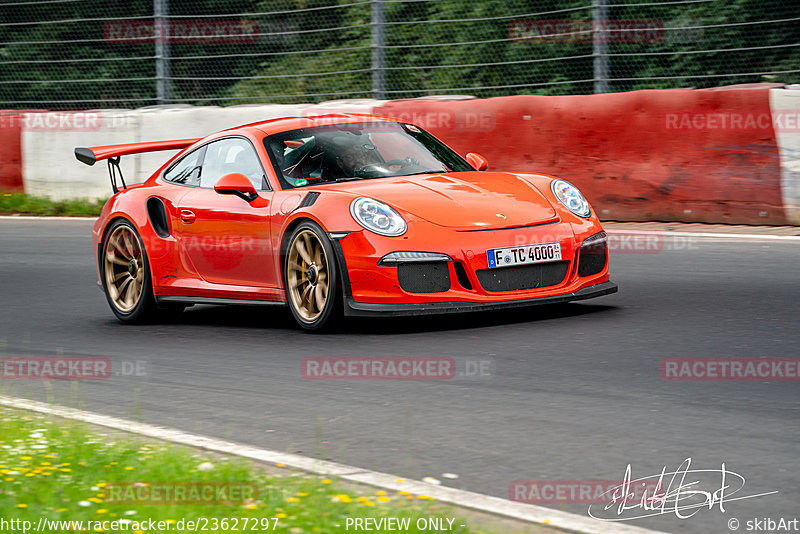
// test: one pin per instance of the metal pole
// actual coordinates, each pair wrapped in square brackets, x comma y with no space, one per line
[600,51]
[161,31]
[378,50]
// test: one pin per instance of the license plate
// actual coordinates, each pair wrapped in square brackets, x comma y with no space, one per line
[525,255]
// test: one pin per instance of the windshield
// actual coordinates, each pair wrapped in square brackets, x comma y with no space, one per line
[360,151]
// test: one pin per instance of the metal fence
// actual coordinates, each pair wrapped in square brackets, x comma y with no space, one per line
[67,54]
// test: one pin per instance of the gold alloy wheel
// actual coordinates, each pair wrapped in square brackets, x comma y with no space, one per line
[307,275]
[124,269]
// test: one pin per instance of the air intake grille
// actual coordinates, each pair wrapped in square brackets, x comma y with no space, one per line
[592,260]
[523,276]
[309,199]
[433,277]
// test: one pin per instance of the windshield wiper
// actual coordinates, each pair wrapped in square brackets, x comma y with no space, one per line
[421,172]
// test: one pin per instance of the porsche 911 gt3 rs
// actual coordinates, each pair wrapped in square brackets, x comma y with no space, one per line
[338,215]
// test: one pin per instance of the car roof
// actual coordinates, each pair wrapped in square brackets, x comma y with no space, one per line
[285,124]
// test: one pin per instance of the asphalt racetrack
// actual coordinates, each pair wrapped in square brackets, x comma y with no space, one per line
[574,391]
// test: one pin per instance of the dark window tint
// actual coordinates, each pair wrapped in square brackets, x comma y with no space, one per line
[358,151]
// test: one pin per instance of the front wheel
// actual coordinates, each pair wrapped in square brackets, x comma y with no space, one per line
[311,279]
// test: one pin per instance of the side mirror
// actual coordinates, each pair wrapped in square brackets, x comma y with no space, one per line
[478,162]
[236,184]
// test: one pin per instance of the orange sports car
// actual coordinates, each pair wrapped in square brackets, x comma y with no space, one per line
[339,215]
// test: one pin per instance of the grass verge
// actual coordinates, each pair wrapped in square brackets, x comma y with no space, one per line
[21,203]
[63,471]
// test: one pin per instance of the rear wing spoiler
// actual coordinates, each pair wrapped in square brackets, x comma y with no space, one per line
[112,153]
[92,155]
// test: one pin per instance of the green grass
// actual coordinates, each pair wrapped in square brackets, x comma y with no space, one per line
[64,471]
[31,205]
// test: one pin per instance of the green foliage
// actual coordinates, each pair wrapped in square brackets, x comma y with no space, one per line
[65,471]
[31,205]
[313,50]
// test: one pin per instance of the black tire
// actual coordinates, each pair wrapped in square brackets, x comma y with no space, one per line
[312,318]
[144,308]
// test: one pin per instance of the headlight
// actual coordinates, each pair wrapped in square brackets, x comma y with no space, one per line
[568,194]
[377,217]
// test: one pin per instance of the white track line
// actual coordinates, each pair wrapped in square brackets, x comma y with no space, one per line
[465,499]
[667,233]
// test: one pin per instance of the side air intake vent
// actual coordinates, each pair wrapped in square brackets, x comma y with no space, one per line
[157,213]
[310,199]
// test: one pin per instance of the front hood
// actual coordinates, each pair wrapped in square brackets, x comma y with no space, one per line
[464,200]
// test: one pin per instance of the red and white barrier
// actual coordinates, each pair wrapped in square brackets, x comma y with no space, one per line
[729,156]
[671,155]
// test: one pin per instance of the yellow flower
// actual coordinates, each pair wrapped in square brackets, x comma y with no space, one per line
[399,480]
[369,503]
[425,497]
[280,465]
[8,479]
[303,494]
[65,470]
[26,458]
[280,515]
[325,481]
[403,493]
[384,499]
[94,500]
[22,505]
[101,484]
[129,468]
[344,498]
[380,492]
[61,510]
[292,499]
[43,463]
[102,511]
[113,463]
[362,499]
[252,506]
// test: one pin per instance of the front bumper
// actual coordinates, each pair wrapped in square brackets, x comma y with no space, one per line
[360,309]
[371,287]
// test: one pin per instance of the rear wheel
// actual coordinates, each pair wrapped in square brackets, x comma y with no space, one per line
[311,278]
[126,274]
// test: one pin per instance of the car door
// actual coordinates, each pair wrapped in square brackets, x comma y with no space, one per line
[225,238]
